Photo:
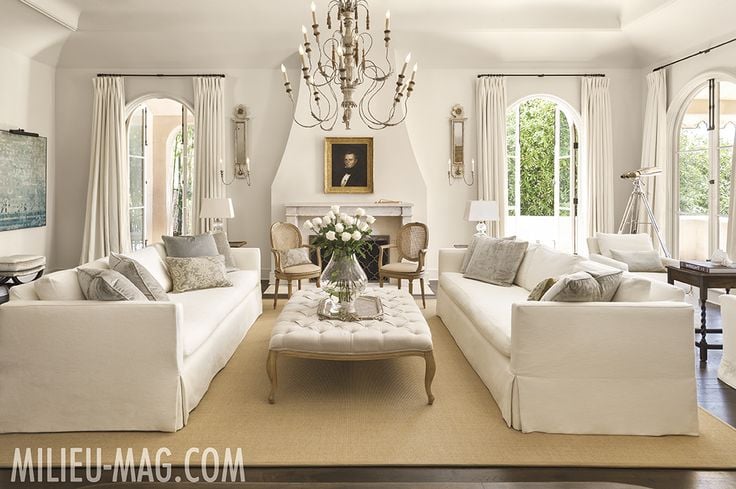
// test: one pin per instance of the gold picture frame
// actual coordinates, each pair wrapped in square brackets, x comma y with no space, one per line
[340,153]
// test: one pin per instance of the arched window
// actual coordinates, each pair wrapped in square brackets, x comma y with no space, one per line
[542,144]
[704,159]
[161,158]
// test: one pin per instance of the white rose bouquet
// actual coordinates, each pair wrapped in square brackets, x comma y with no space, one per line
[340,233]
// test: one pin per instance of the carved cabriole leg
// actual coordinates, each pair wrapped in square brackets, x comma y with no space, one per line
[290,289]
[421,284]
[271,371]
[276,294]
[411,286]
[431,368]
[319,282]
[380,280]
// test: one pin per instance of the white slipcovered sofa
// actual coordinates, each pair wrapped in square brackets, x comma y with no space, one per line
[727,368]
[588,368]
[78,365]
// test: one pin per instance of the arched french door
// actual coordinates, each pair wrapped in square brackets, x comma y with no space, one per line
[706,126]
[161,159]
[542,172]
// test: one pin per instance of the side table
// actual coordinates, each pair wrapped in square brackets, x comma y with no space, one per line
[703,281]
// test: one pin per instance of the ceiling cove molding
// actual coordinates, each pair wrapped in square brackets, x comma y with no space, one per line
[59,12]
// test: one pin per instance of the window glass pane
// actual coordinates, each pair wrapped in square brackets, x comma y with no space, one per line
[564,186]
[537,146]
[724,181]
[511,178]
[137,179]
[727,107]
[564,135]
[694,182]
[135,133]
[137,239]
[511,132]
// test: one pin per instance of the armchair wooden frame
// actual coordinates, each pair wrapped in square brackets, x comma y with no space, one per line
[279,273]
[417,256]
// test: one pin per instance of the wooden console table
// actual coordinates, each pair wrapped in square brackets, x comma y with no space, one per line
[703,281]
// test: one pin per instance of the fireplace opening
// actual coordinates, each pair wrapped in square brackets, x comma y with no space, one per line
[369,261]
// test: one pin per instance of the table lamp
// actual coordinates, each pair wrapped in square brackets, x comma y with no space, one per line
[217,209]
[481,211]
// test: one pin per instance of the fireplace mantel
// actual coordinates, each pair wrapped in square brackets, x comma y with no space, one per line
[296,212]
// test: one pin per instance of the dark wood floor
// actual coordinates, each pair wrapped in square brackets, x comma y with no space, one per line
[713,395]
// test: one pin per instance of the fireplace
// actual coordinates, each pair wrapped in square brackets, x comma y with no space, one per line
[369,261]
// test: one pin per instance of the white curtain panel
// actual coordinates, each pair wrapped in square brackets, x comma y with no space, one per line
[596,112]
[209,137]
[107,223]
[491,98]
[654,148]
[731,229]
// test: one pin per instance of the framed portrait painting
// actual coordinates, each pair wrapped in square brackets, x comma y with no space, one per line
[349,165]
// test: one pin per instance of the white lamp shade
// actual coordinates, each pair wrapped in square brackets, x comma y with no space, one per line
[217,209]
[481,210]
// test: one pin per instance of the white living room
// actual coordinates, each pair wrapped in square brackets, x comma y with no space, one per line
[378,244]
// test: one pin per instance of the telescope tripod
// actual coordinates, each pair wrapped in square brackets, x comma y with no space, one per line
[630,221]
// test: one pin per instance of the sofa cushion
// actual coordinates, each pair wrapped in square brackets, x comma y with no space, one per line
[623,242]
[59,286]
[204,310]
[541,262]
[487,306]
[633,289]
[150,258]
[496,261]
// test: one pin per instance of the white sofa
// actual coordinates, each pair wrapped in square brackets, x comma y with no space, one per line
[77,365]
[588,368]
[727,368]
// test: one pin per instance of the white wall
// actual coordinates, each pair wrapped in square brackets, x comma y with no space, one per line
[27,101]
[260,90]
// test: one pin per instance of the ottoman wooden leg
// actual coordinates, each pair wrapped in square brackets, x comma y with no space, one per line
[271,370]
[429,375]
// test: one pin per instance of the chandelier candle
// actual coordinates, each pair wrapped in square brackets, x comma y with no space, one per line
[340,74]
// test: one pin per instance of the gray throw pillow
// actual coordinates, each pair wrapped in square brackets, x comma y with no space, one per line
[223,248]
[539,290]
[471,249]
[200,272]
[107,285]
[496,261]
[293,257]
[139,276]
[189,246]
[576,287]
[640,261]
[608,282]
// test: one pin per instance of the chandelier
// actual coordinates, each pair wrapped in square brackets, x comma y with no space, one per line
[341,62]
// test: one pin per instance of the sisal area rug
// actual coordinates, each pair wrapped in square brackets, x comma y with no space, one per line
[375,413]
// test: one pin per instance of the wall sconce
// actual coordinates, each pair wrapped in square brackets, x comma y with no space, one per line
[241,165]
[456,163]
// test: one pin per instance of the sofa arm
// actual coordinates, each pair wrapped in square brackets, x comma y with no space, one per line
[88,365]
[451,259]
[247,258]
[604,260]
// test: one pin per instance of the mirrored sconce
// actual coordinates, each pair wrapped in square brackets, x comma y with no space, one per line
[456,163]
[241,164]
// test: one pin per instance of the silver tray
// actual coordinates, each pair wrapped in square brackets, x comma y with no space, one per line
[366,308]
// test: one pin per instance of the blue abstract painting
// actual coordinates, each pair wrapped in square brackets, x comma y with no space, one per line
[22,181]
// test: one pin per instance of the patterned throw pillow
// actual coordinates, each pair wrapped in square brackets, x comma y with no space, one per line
[199,272]
[139,276]
[293,257]
[542,287]
[107,285]
[496,261]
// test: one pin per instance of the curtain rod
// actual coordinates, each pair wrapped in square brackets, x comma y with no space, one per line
[704,51]
[162,75]
[543,75]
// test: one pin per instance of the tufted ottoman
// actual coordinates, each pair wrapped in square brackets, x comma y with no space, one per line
[403,331]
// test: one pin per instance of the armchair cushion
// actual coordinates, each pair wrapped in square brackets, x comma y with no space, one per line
[399,267]
[293,257]
[304,268]
[639,261]
[623,242]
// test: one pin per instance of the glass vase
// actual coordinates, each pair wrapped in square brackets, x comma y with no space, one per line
[344,280]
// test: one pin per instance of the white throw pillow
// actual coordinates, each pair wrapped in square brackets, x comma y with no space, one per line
[640,261]
[633,289]
[151,261]
[59,286]
[542,262]
[623,242]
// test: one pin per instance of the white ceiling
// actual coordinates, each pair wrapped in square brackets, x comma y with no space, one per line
[187,34]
